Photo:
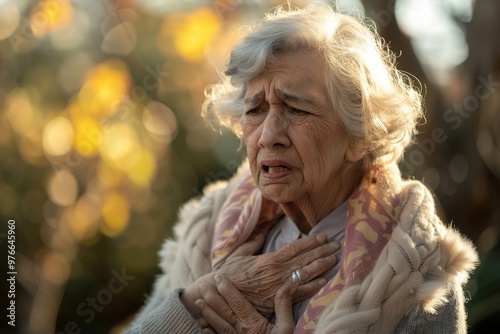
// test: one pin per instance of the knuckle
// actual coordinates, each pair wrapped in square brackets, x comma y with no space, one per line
[326,249]
[210,297]
[225,312]
[229,330]
[238,306]
[320,252]
[301,260]
[317,267]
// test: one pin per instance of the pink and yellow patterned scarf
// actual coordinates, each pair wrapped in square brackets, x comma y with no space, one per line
[372,212]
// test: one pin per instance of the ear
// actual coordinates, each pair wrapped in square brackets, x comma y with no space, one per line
[356,149]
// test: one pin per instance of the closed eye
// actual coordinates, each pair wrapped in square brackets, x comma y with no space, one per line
[297,111]
[253,111]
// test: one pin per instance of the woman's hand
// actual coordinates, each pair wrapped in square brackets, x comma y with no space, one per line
[228,312]
[259,277]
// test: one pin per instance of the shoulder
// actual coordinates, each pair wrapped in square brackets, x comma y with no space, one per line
[436,249]
[185,255]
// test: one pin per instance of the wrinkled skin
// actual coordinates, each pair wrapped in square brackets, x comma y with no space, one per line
[258,277]
[235,314]
[296,144]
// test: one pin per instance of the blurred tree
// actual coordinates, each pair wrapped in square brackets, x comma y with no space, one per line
[462,163]
[482,151]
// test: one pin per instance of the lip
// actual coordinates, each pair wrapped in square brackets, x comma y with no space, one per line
[274,163]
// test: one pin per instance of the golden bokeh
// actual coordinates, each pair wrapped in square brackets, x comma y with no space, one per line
[160,121]
[9,18]
[55,268]
[58,136]
[120,143]
[88,135]
[191,33]
[105,86]
[115,213]
[50,15]
[142,167]
[19,110]
[62,188]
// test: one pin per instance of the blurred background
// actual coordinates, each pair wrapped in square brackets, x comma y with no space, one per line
[101,139]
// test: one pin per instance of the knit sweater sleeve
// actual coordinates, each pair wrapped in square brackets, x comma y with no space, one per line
[449,318]
[167,317]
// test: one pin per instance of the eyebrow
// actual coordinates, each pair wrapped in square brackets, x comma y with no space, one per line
[294,98]
[254,99]
[282,96]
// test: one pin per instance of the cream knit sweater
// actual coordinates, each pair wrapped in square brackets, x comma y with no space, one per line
[415,287]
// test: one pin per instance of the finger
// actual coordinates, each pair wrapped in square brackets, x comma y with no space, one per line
[284,313]
[308,290]
[209,331]
[300,246]
[316,268]
[317,256]
[217,303]
[202,322]
[241,307]
[250,247]
[214,319]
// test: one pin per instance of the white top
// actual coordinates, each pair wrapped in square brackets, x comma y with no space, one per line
[285,231]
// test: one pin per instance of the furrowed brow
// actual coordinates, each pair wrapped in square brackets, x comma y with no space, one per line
[288,97]
[254,99]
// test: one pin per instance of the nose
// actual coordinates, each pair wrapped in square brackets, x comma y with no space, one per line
[274,130]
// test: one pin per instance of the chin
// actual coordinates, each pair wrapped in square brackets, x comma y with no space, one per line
[277,194]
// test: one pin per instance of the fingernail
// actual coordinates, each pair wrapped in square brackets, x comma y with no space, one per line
[204,288]
[331,258]
[334,244]
[218,279]
[321,237]
[200,304]
[321,281]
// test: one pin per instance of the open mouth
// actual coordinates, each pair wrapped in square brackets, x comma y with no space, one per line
[275,169]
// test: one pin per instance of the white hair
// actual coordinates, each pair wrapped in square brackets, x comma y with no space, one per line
[377,104]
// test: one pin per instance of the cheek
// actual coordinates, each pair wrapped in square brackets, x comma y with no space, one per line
[251,147]
[249,134]
[250,142]
[330,146]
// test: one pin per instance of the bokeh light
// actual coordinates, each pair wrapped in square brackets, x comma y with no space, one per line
[191,33]
[9,18]
[62,188]
[58,136]
[160,121]
[49,15]
[104,88]
[116,212]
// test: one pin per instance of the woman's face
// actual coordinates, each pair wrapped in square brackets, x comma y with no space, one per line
[295,143]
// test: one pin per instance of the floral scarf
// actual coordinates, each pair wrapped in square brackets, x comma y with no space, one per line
[372,212]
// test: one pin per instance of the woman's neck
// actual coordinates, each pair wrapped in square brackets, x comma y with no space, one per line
[308,212]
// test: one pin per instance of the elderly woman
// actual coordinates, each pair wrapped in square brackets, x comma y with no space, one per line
[324,117]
